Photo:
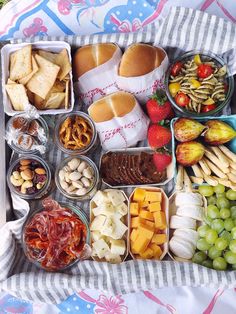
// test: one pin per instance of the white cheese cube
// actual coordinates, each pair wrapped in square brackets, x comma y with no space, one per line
[100,248]
[100,198]
[116,197]
[118,247]
[122,209]
[98,223]
[97,211]
[120,229]
[107,209]
[113,258]
[96,235]
[108,227]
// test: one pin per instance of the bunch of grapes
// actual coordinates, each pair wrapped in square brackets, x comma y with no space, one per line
[217,237]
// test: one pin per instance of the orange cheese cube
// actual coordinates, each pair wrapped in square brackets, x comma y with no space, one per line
[160,220]
[140,244]
[136,221]
[139,195]
[152,196]
[146,215]
[134,234]
[134,209]
[143,204]
[149,223]
[159,238]
[147,254]
[157,251]
[154,207]
[146,231]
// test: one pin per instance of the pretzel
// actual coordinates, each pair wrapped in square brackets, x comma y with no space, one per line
[75,133]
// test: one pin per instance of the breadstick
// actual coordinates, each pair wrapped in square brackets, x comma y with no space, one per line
[232,177]
[228,152]
[180,178]
[210,180]
[233,171]
[215,169]
[196,180]
[232,164]
[225,182]
[224,160]
[187,182]
[197,171]
[216,161]
[233,187]
[205,167]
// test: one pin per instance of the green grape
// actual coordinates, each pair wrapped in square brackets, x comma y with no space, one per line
[219,263]
[219,188]
[228,224]
[208,220]
[206,190]
[233,233]
[226,235]
[202,245]
[199,257]
[234,266]
[218,195]
[218,225]
[222,202]
[235,222]
[225,213]
[221,244]
[214,252]
[232,246]
[207,263]
[231,195]
[202,230]
[233,212]
[211,200]
[213,212]
[211,236]
[230,257]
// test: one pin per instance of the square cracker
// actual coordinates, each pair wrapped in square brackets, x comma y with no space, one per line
[35,68]
[43,80]
[21,63]
[54,101]
[17,95]
[61,59]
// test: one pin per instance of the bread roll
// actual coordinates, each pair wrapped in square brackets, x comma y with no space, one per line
[89,57]
[114,105]
[140,59]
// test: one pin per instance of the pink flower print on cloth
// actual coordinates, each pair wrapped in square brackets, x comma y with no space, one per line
[36,28]
[112,305]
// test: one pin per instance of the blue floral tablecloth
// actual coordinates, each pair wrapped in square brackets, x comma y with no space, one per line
[27,18]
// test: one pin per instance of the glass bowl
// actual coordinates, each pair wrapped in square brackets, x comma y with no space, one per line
[81,151]
[40,163]
[91,190]
[82,216]
[229,80]
[17,148]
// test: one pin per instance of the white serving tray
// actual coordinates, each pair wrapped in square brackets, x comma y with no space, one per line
[52,46]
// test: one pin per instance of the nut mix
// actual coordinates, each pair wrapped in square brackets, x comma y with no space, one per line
[76,177]
[29,176]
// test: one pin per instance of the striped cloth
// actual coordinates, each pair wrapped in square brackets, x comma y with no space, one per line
[183,29]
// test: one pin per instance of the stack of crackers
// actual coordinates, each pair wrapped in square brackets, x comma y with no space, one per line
[40,78]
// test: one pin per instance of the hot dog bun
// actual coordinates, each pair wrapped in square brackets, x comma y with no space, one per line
[114,105]
[140,59]
[89,57]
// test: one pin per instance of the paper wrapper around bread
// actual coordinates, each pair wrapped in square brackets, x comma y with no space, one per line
[172,211]
[99,81]
[126,221]
[123,132]
[164,207]
[142,87]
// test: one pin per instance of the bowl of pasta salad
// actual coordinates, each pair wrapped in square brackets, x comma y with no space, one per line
[199,84]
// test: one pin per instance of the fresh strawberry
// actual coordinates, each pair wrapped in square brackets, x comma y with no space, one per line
[171,115]
[158,107]
[158,136]
[161,159]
